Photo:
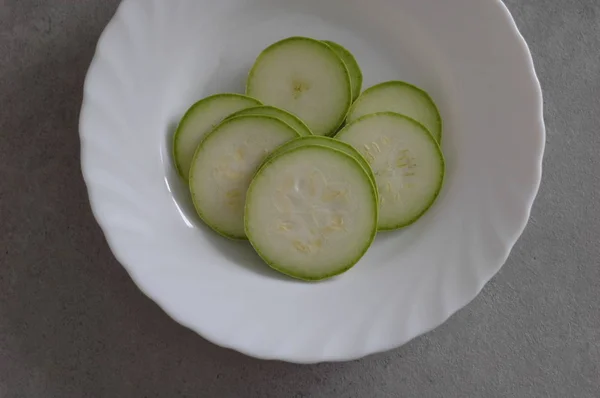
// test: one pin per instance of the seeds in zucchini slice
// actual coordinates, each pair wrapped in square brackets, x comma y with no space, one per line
[311,212]
[328,142]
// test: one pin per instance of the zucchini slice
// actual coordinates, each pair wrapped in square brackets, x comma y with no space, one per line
[311,212]
[407,162]
[199,120]
[224,164]
[305,77]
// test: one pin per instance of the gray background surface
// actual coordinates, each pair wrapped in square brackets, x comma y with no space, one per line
[72,323]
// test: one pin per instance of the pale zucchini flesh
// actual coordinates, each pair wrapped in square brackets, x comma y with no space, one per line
[224,164]
[305,77]
[399,97]
[328,142]
[199,120]
[356,76]
[406,160]
[311,212]
[281,114]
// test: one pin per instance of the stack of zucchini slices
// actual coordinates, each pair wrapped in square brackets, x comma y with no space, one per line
[304,165]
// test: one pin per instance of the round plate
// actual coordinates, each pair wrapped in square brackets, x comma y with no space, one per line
[158,57]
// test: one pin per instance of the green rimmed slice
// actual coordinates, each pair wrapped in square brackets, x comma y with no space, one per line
[406,160]
[311,212]
[281,114]
[224,164]
[399,97]
[356,76]
[199,120]
[305,77]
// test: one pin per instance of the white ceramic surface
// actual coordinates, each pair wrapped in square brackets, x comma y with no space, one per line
[157,57]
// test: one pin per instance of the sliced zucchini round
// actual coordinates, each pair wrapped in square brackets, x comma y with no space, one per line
[305,77]
[328,142]
[407,162]
[356,76]
[311,212]
[199,120]
[399,97]
[224,164]
[281,114]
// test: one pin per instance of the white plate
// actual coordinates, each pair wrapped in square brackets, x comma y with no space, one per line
[157,57]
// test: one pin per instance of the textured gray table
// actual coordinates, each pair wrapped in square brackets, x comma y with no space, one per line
[72,323]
